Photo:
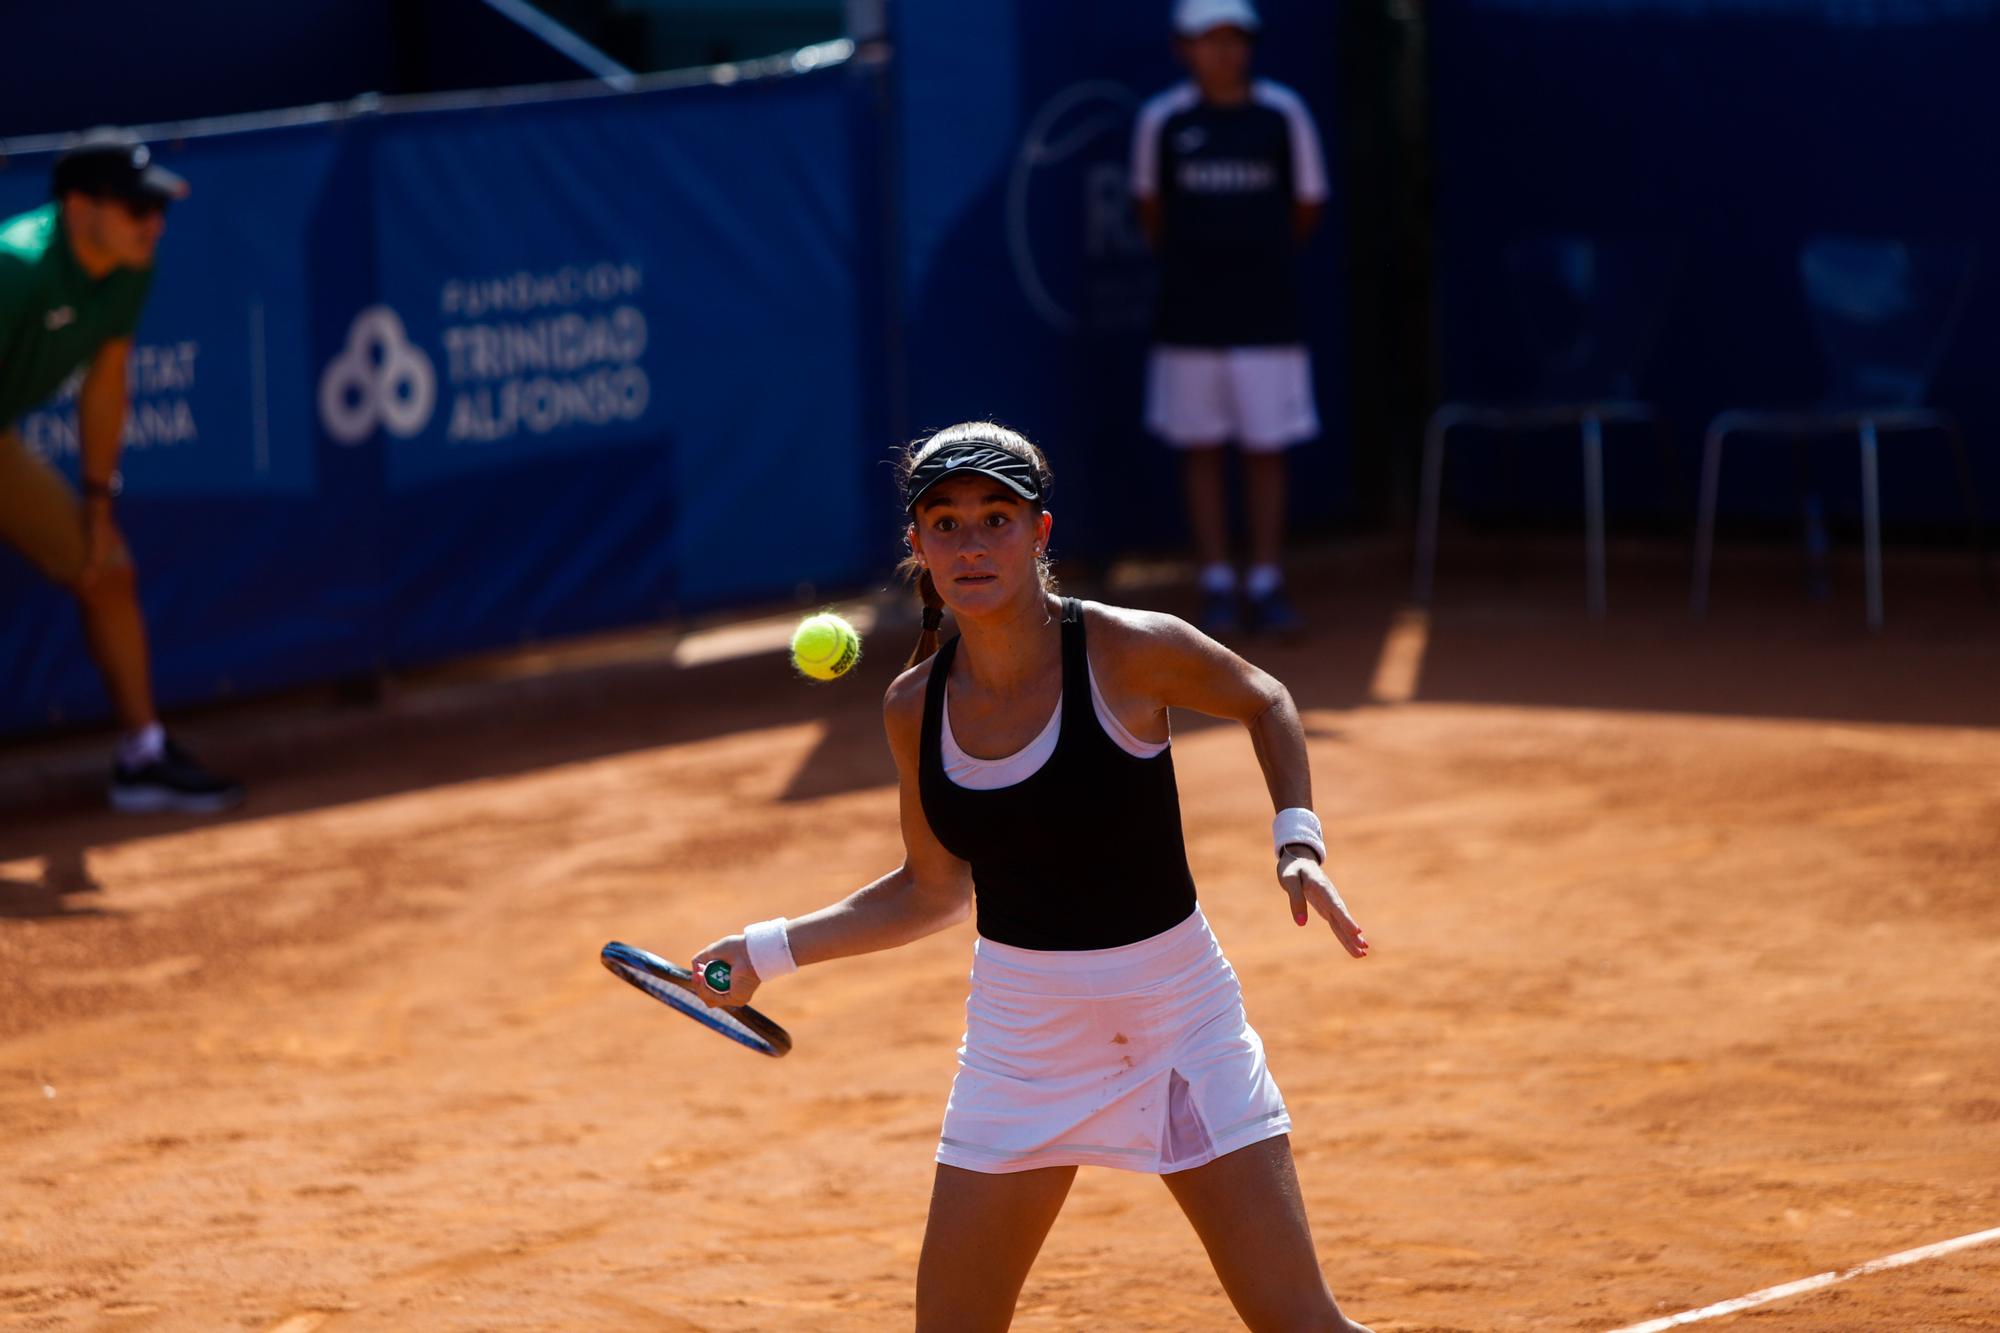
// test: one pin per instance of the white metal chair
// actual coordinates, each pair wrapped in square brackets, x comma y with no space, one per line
[1884,311]
[1590,308]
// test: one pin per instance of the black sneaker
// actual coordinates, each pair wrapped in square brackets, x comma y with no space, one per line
[1273,613]
[1218,618]
[172,782]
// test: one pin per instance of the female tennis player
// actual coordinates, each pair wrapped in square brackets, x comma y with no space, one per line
[1104,1026]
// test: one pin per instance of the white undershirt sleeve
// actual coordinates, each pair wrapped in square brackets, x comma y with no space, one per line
[1153,117]
[1308,161]
[1145,175]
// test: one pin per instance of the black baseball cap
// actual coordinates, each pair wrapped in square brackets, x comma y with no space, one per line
[1017,474]
[112,164]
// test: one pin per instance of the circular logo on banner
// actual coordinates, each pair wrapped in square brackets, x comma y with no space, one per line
[1071,230]
[379,378]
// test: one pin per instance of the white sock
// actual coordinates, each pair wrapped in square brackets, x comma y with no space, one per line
[1218,577]
[143,746]
[1263,580]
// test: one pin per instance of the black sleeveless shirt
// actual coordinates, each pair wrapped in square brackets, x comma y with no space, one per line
[1086,852]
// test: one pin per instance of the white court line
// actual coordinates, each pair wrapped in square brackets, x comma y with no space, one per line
[1805,1284]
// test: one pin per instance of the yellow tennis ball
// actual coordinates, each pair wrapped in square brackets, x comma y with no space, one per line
[825,646]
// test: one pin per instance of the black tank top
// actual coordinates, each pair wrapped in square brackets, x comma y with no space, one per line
[1084,853]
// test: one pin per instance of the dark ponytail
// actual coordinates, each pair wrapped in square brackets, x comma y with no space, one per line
[927,639]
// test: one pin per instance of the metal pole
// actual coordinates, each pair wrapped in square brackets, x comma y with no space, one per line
[1871,521]
[1593,499]
[1427,516]
[1704,537]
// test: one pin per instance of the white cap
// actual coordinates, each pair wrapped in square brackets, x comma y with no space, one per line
[1192,18]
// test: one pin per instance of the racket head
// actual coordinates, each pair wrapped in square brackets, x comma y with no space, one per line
[677,988]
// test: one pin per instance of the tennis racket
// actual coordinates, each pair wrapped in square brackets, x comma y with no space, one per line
[677,988]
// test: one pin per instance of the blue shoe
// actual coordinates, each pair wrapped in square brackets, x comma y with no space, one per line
[1274,613]
[1218,618]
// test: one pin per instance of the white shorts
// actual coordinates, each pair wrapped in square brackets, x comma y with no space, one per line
[1260,398]
[1137,1057]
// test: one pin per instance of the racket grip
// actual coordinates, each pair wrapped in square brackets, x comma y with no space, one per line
[716,976]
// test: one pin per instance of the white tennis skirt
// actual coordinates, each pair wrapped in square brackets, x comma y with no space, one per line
[1137,1057]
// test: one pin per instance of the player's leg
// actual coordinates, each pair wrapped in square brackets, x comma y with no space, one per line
[1273,385]
[1247,1209]
[1204,476]
[1205,479]
[117,633]
[42,518]
[983,1235]
[1188,405]
[1264,496]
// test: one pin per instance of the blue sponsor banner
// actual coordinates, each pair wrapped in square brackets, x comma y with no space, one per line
[220,361]
[420,384]
[1026,288]
[604,335]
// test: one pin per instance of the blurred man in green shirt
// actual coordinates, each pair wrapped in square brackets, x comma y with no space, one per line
[73,280]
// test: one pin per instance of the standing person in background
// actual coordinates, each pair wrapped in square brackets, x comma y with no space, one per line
[1229,180]
[74,275]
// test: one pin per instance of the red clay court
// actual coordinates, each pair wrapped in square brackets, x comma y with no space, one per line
[1686,940]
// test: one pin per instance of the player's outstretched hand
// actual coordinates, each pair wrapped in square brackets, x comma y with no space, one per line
[1308,887]
[742,976]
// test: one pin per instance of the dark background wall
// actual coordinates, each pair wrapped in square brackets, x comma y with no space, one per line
[1733,131]
[126,62]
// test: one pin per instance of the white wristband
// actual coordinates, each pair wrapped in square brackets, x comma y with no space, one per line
[769,949]
[1300,825]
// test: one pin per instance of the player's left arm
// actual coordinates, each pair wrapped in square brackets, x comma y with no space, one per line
[1160,657]
[1309,182]
[1305,220]
[100,422]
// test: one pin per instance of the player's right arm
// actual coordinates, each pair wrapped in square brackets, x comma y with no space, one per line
[931,891]
[1143,171]
[1309,181]
[1150,223]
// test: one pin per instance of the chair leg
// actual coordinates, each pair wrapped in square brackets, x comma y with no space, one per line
[1704,526]
[1593,501]
[1975,522]
[1512,559]
[1871,521]
[1670,460]
[1427,512]
[1809,509]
